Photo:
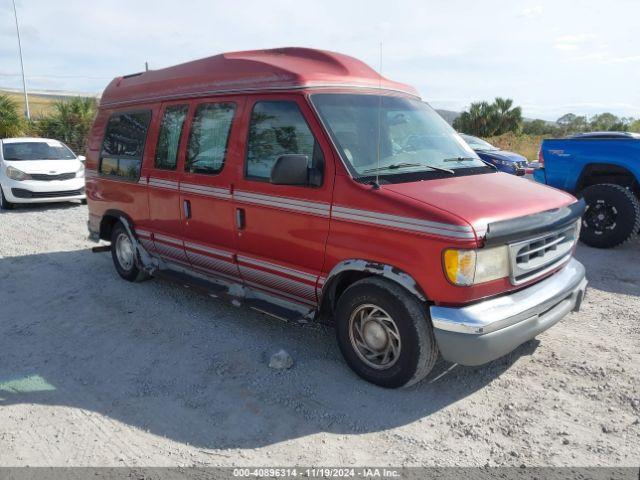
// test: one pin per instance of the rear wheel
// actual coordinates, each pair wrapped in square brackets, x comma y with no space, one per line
[612,215]
[4,204]
[384,333]
[124,255]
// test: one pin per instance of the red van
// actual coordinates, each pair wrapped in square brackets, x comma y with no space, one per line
[304,184]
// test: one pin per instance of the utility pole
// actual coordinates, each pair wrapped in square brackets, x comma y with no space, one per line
[24,82]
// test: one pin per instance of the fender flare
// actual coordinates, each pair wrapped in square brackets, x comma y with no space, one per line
[389,272]
[144,260]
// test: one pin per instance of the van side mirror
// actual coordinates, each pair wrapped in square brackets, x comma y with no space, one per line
[82,158]
[290,170]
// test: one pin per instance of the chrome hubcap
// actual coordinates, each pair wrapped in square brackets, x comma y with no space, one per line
[374,336]
[124,251]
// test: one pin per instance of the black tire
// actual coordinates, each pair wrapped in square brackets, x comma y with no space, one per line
[418,351]
[4,203]
[130,272]
[612,216]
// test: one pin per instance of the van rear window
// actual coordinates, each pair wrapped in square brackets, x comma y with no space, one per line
[123,144]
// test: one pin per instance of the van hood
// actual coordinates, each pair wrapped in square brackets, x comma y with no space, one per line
[486,198]
[48,167]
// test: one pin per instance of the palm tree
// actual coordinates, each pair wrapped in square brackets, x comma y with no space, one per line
[70,122]
[480,120]
[508,119]
[10,121]
[485,119]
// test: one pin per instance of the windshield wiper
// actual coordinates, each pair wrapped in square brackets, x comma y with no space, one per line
[467,159]
[459,159]
[395,166]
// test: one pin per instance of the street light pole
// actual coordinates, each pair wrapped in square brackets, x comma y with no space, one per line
[24,82]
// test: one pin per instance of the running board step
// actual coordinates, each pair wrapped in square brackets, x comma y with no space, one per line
[221,291]
[276,311]
[189,281]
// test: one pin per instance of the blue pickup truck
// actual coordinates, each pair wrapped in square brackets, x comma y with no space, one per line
[604,169]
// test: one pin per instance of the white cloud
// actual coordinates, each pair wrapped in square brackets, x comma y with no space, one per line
[569,43]
[532,11]
[566,46]
[576,39]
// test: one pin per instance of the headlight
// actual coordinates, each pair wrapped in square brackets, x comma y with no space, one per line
[470,267]
[80,172]
[15,174]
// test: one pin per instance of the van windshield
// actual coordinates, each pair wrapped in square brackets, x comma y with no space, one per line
[52,150]
[413,138]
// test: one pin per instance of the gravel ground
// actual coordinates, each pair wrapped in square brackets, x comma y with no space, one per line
[95,371]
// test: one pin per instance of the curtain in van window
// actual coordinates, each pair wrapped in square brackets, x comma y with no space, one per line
[169,137]
[209,137]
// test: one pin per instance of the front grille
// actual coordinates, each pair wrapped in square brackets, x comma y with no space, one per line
[42,177]
[535,257]
[22,193]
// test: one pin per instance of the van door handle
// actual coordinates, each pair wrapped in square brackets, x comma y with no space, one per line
[240,220]
[187,209]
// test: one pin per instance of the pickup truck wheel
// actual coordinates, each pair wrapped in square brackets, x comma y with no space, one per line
[4,204]
[124,255]
[384,333]
[612,215]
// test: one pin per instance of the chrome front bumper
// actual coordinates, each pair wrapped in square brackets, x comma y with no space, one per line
[484,331]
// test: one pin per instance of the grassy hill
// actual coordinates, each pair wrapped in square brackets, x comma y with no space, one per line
[40,103]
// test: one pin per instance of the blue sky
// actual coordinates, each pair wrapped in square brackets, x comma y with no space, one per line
[551,57]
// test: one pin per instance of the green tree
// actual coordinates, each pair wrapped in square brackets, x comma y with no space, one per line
[571,123]
[634,126]
[606,122]
[508,117]
[69,122]
[486,119]
[539,127]
[11,123]
[480,120]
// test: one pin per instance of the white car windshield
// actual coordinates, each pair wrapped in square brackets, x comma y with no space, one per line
[412,136]
[16,151]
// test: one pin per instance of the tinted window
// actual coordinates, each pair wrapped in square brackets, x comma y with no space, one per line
[278,128]
[209,137]
[124,143]
[169,137]
[45,150]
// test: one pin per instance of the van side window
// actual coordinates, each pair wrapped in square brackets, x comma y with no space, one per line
[209,137]
[278,128]
[169,137]
[123,144]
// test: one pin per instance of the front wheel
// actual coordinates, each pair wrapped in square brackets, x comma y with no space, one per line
[384,333]
[124,255]
[612,215]
[4,203]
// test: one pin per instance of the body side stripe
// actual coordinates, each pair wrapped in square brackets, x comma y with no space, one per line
[396,218]
[215,251]
[278,268]
[402,225]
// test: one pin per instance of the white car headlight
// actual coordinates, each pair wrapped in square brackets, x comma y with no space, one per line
[15,174]
[80,172]
[470,267]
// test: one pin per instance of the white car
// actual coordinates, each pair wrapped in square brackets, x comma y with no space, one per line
[36,170]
